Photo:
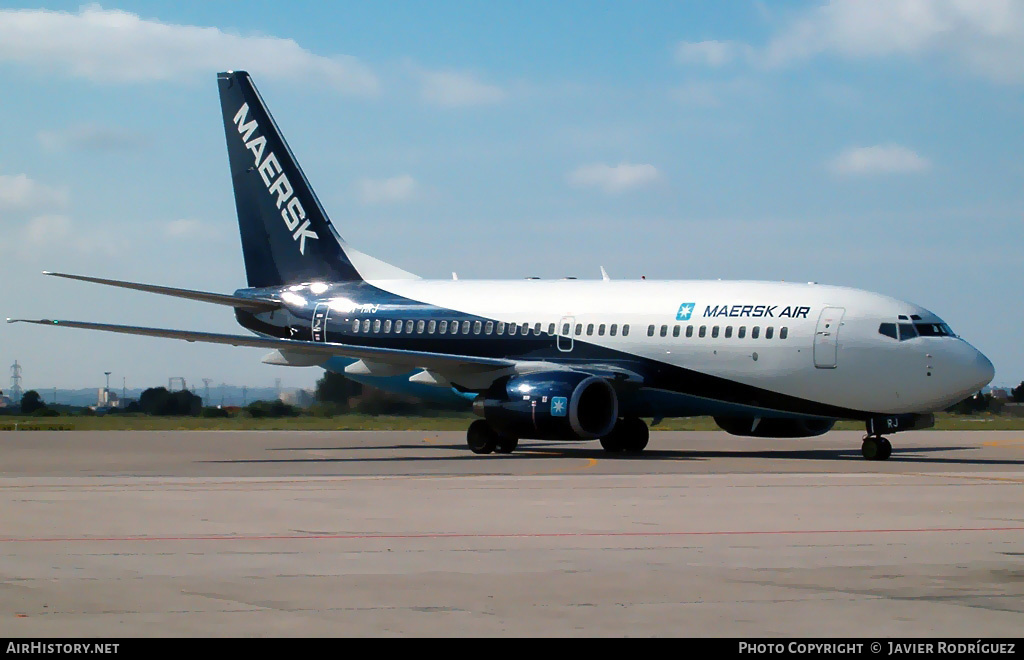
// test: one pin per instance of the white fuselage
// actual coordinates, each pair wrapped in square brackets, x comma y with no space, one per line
[836,357]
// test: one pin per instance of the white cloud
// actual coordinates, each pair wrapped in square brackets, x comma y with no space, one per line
[47,229]
[982,36]
[711,53]
[453,89]
[614,178]
[182,228]
[879,159]
[90,137]
[20,193]
[118,46]
[387,191]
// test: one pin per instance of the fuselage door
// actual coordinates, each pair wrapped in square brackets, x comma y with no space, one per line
[319,323]
[565,333]
[826,337]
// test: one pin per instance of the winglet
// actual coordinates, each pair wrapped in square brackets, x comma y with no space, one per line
[604,275]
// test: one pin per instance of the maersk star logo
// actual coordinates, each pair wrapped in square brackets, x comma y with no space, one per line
[558,406]
[684,311]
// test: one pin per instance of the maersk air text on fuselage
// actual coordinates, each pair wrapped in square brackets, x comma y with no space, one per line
[565,359]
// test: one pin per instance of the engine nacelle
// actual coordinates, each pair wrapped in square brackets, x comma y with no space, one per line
[775,428]
[550,405]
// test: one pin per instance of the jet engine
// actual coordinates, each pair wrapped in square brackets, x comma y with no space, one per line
[550,405]
[774,428]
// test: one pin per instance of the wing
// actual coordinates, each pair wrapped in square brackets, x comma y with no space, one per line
[250,304]
[440,362]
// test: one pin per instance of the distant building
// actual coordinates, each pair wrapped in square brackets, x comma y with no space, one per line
[107,399]
[4,401]
[1000,394]
[298,398]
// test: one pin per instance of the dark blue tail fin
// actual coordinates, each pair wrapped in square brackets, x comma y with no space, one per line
[286,235]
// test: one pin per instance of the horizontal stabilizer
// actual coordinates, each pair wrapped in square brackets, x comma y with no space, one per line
[238,302]
[412,359]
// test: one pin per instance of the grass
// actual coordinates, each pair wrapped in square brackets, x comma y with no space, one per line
[133,422]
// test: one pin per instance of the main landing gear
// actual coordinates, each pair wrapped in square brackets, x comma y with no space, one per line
[876,448]
[482,439]
[629,435]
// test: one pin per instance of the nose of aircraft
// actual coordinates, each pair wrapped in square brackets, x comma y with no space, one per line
[982,370]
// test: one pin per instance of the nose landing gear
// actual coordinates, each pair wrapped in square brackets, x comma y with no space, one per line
[876,448]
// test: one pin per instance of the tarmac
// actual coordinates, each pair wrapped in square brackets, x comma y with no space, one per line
[302,533]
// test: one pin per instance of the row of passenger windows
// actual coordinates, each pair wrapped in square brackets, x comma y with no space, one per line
[387,326]
[445,327]
[702,331]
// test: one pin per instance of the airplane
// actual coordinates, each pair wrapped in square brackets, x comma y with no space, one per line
[564,359]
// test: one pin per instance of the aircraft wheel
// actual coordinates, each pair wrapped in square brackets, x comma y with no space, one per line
[481,438]
[876,449]
[614,442]
[506,445]
[635,435]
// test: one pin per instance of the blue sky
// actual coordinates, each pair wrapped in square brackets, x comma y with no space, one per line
[873,145]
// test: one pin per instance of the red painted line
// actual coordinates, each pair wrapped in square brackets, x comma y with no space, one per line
[300,537]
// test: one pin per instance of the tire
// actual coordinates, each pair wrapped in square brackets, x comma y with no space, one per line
[506,445]
[885,449]
[871,449]
[481,438]
[612,443]
[635,435]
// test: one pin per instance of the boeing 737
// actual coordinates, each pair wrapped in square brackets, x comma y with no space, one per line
[565,359]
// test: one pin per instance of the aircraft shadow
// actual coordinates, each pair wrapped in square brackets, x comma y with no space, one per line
[549,451]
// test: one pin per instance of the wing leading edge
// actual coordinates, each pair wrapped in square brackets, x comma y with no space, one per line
[412,359]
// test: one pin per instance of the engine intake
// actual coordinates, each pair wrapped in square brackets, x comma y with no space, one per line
[775,428]
[552,405]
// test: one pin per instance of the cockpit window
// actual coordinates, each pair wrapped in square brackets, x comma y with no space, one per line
[907,331]
[933,330]
[888,329]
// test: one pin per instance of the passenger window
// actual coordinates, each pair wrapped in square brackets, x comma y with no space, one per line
[768,332]
[565,329]
[355,325]
[398,326]
[513,329]
[420,325]
[477,325]
[664,331]
[409,327]
[590,329]
[455,327]
[907,331]
[431,327]
[387,326]
[613,329]
[501,327]
[650,331]
[551,328]
[579,329]
[376,325]
[600,330]
[625,330]
[675,331]
[689,331]
[366,325]
[742,332]
[728,331]
[755,332]
[465,327]
[489,328]
[442,328]
[703,331]
[525,329]
[536,329]
[714,332]
[783,332]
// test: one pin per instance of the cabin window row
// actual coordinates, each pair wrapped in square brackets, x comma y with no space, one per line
[702,331]
[445,327]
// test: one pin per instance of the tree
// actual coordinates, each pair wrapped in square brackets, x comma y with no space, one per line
[158,401]
[335,388]
[1017,393]
[31,402]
